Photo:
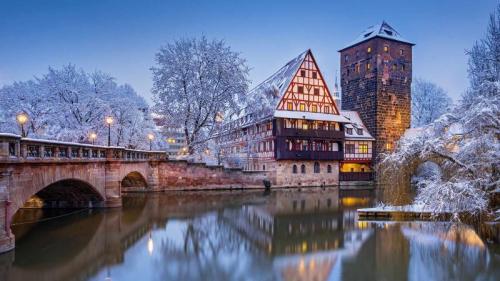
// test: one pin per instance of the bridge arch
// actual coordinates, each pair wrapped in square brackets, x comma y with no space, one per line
[134,181]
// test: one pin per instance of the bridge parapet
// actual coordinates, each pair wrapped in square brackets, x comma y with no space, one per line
[13,148]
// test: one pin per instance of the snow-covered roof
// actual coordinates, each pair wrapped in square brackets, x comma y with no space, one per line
[310,116]
[413,132]
[355,122]
[383,30]
[267,94]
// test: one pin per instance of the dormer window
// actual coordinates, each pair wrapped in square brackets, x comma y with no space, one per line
[359,131]
[349,131]
[368,66]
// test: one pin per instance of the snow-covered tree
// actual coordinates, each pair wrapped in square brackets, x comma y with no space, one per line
[428,102]
[465,141]
[194,81]
[69,104]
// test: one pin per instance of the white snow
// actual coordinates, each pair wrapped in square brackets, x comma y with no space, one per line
[383,30]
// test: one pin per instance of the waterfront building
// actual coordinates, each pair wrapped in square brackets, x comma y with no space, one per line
[292,128]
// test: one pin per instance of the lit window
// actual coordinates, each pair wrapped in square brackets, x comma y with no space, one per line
[314,108]
[357,68]
[300,89]
[401,52]
[363,148]
[302,107]
[303,73]
[315,75]
[316,91]
[289,106]
[386,49]
[403,67]
[329,170]
[368,66]
[369,50]
[394,67]
[327,109]
[349,148]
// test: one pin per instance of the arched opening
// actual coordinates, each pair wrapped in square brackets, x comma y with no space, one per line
[303,169]
[294,169]
[134,181]
[316,167]
[70,193]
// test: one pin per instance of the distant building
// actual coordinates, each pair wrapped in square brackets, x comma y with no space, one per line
[376,73]
[174,138]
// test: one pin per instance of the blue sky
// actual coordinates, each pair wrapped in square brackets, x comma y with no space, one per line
[121,37]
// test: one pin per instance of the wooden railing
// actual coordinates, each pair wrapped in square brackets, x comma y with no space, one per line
[13,147]
[356,176]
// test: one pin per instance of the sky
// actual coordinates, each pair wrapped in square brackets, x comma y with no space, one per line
[121,37]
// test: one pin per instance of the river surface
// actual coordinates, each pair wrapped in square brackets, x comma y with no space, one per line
[308,234]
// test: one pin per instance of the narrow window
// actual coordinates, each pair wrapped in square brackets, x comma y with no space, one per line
[300,89]
[302,107]
[369,50]
[303,169]
[303,73]
[327,109]
[394,67]
[329,169]
[346,58]
[401,52]
[363,148]
[368,66]
[316,91]
[386,48]
[294,169]
[315,75]
[403,67]
[316,168]
[289,106]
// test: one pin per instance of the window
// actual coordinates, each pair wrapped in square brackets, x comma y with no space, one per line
[289,106]
[369,50]
[12,149]
[363,148]
[403,67]
[302,107]
[401,52]
[316,168]
[316,91]
[327,109]
[349,131]
[315,75]
[294,169]
[368,66]
[303,169]
[386,48]
[303,73]
[359,131]
[349,148]
[300,89]
[394,67]
[314,108]
[357,68]
[263,167]
[329,169]
[388,146]
[346,58]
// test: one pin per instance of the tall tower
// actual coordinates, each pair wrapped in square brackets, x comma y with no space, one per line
[376,71]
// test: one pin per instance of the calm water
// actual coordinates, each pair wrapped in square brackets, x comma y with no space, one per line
[311,234]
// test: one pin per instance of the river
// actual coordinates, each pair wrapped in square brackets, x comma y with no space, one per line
[308,234]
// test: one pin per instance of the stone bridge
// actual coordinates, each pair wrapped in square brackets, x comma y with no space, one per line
[50,174]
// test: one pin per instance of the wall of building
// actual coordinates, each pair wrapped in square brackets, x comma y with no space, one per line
[286,177]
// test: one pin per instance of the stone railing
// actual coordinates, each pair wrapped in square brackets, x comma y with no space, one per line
[15,148]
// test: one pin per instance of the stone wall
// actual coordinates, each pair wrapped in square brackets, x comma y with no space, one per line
[286,177]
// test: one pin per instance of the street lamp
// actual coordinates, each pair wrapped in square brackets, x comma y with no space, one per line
[93,136]
[22,118]
[151,137]
[109,121]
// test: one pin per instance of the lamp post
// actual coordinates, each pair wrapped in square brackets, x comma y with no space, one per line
[93,136]
[22,118]
[151,137]
[109,121]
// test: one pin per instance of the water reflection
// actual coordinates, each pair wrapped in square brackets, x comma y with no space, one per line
[312,234]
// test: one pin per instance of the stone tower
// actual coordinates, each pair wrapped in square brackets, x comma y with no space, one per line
[376,71]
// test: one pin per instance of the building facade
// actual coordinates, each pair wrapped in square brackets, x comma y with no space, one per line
[293,128]
[376,73]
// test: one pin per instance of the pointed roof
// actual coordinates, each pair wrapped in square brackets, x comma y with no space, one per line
[383,30]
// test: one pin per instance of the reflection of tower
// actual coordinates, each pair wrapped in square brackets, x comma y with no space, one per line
[336,92]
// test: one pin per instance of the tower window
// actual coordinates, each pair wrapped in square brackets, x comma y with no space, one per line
[303,73]
[315,75]
[356,67]
[369,50]
[368,66]
[386,48]
[346,58]
[289,106]
[316,91]
[401,52]
[394,67]
[300,89]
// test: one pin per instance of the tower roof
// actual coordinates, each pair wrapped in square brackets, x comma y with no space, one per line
[383,30]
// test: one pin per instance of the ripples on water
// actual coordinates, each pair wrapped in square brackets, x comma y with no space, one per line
[312,234]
